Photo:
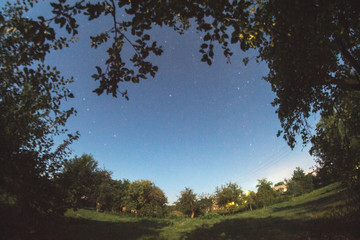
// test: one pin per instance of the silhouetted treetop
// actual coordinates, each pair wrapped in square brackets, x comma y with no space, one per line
[311,47]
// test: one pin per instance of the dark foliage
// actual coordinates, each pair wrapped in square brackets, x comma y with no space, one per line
[30,98]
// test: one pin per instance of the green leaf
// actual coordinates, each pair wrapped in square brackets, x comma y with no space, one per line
[207,37]
[211,54]
[245,60]
[62,22]
[98,69]
[243,45]
[204,58]
[95,76]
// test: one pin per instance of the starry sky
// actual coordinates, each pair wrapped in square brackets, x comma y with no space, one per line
[193,125]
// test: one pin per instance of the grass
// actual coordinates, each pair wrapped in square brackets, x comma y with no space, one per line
[322,214]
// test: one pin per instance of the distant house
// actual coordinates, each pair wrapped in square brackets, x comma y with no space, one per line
[314,172]
[280,188]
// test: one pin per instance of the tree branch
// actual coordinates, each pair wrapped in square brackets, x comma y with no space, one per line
[113,13]
[340,39]
[347,55]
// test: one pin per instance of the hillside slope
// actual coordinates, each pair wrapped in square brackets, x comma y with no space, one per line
[325,213]
[322,214]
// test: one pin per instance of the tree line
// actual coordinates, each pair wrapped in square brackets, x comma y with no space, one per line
[85,185]
[230,198]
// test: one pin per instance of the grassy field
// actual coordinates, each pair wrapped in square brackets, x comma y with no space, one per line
[322,214]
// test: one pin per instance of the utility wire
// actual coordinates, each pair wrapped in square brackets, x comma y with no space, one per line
[272,160]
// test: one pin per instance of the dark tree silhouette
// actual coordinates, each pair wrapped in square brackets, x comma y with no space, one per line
[31,115]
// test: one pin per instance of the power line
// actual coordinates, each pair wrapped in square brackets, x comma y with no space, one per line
[272,160]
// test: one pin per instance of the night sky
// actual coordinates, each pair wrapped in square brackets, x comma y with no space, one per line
[193,125]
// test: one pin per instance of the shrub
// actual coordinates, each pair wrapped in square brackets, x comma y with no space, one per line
[175,214]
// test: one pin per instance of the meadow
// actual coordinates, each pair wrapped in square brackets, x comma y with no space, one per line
[326,213]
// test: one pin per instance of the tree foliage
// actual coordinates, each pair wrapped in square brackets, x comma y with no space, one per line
[88,186]
[118,196]
[265,195]
[228,193]
[311,47]
[187,202]
[31,94]
[250,199]
[205,203]
[106,190]
[337,142]
[213,18]
[85,183]
[299,183]
[312,51]
[146,198]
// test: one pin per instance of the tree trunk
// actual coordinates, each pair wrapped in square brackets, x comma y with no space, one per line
[192,210]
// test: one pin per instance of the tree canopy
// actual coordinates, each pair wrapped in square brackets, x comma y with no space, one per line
[311,47]
[228,193]
[337,142]
[312,51]
[300,183]
[31,94]
[265,195]
[146,198]
[187,202]
[84,182]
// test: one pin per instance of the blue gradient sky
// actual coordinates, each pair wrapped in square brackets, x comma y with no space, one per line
[191,126]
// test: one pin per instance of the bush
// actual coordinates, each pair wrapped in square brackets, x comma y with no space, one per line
[232,210]
[175,214]
[148,210]
[283,198]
